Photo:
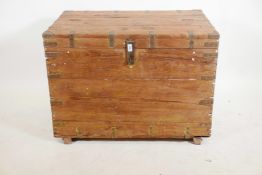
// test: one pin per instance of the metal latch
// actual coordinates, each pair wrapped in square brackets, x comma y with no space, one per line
[130,52]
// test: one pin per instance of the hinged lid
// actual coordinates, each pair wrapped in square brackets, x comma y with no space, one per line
[148,29]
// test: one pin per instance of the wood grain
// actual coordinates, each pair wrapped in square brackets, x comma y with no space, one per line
[126,109]
[117,130]
[172,29]
[167,93]
[176,23]
[141,41]
[159,90]
[149,64]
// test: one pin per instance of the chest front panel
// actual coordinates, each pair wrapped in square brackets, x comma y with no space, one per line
[167,91]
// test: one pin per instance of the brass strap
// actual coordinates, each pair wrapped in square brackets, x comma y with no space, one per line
[50,44]
[114,132]
[54,75]
[151,39]
[111,39]
[77,130]
[191,41]
[150,131]
[71,40]
[187,133]
[211,44]
[51,54]
[47,34]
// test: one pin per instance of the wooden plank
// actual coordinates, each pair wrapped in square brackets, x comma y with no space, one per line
[120,109]
[162,90]
[79,55]
[118,130]
[149,64]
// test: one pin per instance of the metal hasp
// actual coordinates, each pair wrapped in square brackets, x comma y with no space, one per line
[130,52]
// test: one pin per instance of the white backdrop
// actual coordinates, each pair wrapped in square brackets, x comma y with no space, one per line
[26,142]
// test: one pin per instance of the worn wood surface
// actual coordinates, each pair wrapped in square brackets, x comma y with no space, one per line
[109,109]
[157,29]
[149,64]
[167,93]
[142,41]
[157,90]
[116,129]
[176,23]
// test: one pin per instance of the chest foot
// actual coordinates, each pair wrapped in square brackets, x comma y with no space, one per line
[67,140]
[197,140]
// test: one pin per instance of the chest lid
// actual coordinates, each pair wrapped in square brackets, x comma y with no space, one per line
[146,29]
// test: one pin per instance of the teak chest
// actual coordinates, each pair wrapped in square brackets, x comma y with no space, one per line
[131,74]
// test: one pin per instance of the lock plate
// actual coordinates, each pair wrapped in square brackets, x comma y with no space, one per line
[130,52]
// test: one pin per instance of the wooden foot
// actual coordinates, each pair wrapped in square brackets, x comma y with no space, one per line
[197,140]
[67,140]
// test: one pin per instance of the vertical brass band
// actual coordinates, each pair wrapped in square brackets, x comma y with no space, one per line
[191,41]
[71,40]
[111,39]
[151,40]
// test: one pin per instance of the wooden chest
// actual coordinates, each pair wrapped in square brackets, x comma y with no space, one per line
[131,74]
